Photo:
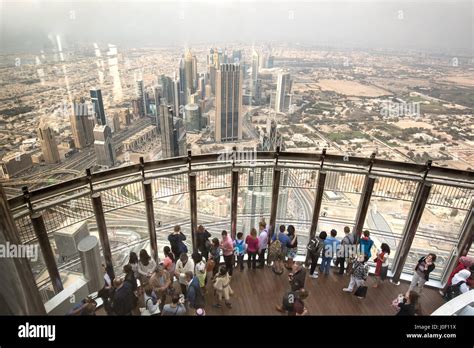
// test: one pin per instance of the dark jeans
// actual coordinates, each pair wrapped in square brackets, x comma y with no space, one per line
[205,253]
[340,261]
[229,263]
[252,260]
[183,289]
[240,261]
[261,258]
[314,263]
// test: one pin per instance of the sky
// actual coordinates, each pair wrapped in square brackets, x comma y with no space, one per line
[441,26]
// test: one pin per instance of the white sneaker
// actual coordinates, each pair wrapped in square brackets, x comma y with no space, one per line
[346,290]
[314,276]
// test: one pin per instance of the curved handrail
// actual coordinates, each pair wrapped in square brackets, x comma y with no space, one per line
[456,304]
[456,175]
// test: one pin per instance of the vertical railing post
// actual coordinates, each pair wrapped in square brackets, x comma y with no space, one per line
[317,203]
[234,198]
[150,216]
[102,229]
[193,207]
[319,196]
[48,256]
[18,284]
[275,194]
[464,244]
[363,208]
[413,220]
[43,241]
[274,206]
[150,212]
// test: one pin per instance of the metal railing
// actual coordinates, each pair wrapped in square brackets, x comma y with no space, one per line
[121,190]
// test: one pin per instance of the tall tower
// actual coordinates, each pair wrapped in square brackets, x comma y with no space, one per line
[98,103]
[103,146]
[188,75]
[228,124]
[82,124]
[283,92]
[173,134]
[255,67]
[176,95]
[192,117]
[181,75]
[195,74]
[49,147]
[140,92]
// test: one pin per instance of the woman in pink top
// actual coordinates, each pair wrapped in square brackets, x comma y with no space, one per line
[252,248]
[168,262]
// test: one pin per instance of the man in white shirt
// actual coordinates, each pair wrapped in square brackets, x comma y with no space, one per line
[183,265]
[262,243]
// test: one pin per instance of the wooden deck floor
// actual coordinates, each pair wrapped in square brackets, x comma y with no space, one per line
[258,292]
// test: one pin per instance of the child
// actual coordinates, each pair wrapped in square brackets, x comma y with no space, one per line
[381,267]
[239,249]
[222,287]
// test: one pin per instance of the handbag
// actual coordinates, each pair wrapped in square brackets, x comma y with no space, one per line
[210,265]
[361,291]
[145,312]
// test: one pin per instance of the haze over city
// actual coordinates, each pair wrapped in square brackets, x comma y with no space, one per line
[402,25]
[121,120]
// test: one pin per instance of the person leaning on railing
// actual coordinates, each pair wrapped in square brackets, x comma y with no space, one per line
[176,239]
[203,244]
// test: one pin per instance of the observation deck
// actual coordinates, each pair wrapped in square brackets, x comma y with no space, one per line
[415,209]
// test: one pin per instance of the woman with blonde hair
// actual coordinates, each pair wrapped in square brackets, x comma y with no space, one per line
[252,248]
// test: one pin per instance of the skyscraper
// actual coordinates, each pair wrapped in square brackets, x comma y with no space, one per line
[140,92]
[236,56]
[176,97]
[228,124]
[195,74]
[82,124]
[181,75]
[98,103]
[103,146]
[192,117]
[49,147]
[188,75]
[255,67]
[167,88]
[282,98]
[173,134]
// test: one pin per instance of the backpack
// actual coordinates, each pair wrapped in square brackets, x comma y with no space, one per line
[454,290]
[313,245]
[275,249]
